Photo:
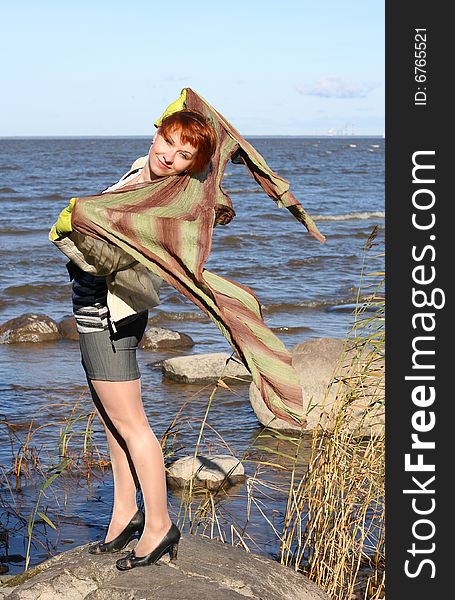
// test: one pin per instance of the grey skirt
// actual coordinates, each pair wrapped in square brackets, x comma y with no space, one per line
[108,356]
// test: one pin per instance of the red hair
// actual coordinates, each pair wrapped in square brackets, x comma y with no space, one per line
[194,129]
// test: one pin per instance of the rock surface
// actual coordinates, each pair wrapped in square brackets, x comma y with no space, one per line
[68,329]
[157,338]
[29,328]
[317,361]
[205,569]
[209,471]
[204,368]
[4,579]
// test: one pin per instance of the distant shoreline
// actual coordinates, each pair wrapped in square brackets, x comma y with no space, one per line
[129,137]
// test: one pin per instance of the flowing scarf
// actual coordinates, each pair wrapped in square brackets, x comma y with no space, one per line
[167,224]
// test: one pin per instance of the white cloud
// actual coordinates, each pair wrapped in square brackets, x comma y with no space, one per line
[336,87]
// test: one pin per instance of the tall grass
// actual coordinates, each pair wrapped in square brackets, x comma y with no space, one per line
[75,452]
[334,523]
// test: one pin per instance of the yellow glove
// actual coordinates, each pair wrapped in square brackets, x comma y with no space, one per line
[179,104]
[63,226]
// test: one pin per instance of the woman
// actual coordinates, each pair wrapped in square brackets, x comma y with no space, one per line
[183,144]
[162,220]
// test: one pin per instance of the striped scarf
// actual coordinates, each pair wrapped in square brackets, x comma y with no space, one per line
[167,226]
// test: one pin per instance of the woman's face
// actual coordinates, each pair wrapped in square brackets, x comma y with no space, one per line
[170,156]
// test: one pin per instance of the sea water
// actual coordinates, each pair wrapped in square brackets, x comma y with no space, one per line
[306,290]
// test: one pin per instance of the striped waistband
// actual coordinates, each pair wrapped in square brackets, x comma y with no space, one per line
[91,319]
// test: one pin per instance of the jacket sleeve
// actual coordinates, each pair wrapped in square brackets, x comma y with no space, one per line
[104,257]
[93,255]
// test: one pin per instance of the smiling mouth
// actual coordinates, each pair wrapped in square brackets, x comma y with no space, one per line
[164,165]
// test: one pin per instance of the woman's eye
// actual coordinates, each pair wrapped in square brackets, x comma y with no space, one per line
[185,156]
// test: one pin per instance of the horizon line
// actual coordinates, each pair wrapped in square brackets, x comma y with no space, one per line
[144,136]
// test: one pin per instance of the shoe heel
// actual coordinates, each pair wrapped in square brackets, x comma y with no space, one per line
[173,552]
[134,527]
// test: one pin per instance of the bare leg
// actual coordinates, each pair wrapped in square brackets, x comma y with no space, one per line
[125,478]
[123,404]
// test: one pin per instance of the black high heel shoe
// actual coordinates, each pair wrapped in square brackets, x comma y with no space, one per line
[136,525]
[169,544]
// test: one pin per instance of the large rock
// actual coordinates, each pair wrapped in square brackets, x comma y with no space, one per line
[205,569]
[204,368]
[208,471]
[29,328]
[68,328]
[321,364]
[4,591]
[157,338]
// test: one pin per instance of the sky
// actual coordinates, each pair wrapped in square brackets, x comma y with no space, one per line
[106,67]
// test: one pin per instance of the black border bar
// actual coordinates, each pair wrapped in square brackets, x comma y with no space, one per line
[419,327]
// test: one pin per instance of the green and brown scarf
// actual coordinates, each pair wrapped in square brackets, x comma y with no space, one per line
[167,224]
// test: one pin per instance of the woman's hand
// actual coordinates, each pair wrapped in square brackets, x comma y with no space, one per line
[62,226]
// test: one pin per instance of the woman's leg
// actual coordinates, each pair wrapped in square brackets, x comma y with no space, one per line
[125,478]
[123,404]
